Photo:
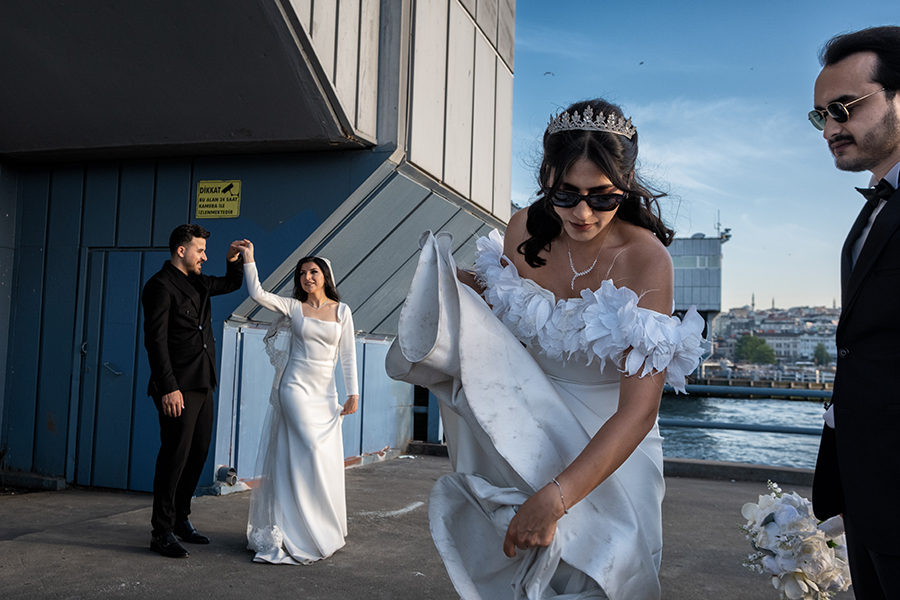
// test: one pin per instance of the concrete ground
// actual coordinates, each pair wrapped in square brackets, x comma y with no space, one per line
[93,544]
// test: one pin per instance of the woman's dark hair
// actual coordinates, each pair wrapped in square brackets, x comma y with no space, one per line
[615,156]
[330,291]
[883,41]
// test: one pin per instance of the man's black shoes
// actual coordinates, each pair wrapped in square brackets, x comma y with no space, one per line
[168,546]
[185,530]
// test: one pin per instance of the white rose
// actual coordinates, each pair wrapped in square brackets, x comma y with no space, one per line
[815,558]
[794,586]
[770,565]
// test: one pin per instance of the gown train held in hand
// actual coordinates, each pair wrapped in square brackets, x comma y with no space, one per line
[516,416]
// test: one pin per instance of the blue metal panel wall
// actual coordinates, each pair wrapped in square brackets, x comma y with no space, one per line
[224,450]
[351,428]
[172,202]
[388,417]
[57,331]
[379,418]
[25,334]
[84,451]
[256,373]
[66,214]
[8,212]
[115,389]
[101,193]
[135,214]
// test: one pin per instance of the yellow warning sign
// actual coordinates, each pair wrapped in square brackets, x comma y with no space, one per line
[219,199]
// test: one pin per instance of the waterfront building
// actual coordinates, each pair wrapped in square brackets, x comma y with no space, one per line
[698,275]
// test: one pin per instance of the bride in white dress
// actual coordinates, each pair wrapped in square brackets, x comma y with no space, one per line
[558,471]
[298,511]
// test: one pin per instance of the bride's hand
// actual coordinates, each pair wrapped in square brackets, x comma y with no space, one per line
[535,522]
[350,405]
[247,251]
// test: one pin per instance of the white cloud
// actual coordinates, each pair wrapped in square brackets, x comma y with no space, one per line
[769,175]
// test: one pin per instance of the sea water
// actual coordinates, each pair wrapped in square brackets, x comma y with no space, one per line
[756,447]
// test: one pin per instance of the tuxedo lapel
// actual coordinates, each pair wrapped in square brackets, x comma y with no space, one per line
[847,251]
[886,223]
[180,281]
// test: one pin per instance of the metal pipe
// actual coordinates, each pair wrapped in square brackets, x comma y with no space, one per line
[744,391]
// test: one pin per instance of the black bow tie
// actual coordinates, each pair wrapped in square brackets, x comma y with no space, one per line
[882,191]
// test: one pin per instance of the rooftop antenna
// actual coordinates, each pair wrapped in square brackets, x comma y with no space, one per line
[723,234]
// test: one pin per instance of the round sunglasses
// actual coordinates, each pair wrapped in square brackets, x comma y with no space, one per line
[836,110]
[600,202]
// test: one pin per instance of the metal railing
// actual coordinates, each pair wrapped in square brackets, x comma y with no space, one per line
[746,391]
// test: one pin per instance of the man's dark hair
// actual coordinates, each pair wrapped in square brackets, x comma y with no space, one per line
[883,41]
[183,235]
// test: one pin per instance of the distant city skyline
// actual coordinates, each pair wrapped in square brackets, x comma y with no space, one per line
[719,93]
[773,305]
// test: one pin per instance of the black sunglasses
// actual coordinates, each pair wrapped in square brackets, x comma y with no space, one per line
[836,110]
[600,202]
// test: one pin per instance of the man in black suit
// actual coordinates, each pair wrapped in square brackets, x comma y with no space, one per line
[857,105]
[180,345]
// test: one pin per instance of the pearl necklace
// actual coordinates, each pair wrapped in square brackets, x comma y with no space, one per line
[577,274]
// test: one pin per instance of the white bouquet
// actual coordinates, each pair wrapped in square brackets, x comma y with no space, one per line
[807,560]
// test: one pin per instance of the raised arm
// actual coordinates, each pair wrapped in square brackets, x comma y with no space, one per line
[265,299]
[234,274]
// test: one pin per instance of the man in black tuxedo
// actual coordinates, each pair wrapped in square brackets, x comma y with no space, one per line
[180,345]
[857,105]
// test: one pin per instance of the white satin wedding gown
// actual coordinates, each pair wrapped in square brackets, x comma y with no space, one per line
[521,395]
[298,511]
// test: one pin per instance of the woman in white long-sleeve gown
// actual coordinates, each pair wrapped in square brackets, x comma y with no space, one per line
[298,512]
[558,481]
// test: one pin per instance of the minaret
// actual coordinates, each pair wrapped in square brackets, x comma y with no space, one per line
[753,302]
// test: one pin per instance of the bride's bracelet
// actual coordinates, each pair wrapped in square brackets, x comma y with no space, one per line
[561,499]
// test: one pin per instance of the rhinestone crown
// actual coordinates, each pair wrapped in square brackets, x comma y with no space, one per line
[611,123]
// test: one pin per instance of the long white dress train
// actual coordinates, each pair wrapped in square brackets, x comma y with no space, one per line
[298,511]
[521,395]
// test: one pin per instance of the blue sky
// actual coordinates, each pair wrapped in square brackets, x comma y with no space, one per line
[719,92]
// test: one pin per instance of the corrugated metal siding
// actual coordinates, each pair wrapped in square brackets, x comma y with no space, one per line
[84,226]
[461,98]
[8,218]
[457,158]
[374,252]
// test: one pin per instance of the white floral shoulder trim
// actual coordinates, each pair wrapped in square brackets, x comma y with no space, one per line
[602,324]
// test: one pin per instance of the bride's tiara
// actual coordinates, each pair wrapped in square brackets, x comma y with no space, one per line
[611,123]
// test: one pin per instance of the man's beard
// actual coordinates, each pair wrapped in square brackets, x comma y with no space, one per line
[877,144]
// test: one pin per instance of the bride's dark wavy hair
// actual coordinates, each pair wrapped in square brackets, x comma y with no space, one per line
[330,290]
[615,156]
